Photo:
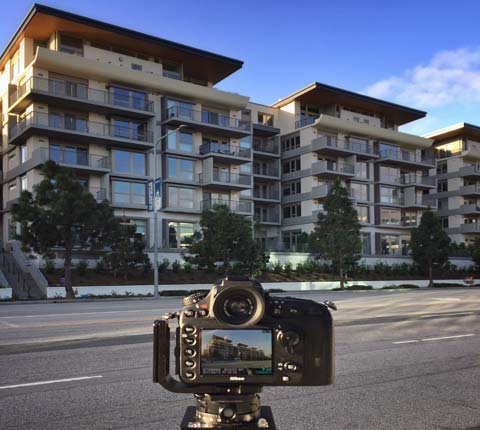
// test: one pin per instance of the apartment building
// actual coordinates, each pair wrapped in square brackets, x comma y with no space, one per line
[457,150]
[97,98]
[329,133]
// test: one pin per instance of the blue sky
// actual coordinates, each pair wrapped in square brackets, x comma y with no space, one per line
[423,53]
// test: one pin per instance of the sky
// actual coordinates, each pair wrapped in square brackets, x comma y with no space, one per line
[424,53]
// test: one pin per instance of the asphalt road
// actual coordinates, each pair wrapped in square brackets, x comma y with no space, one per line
[405,360]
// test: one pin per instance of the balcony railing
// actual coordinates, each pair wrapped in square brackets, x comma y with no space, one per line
[226,178]
[304,122]
[266,171]
[344,145]
[72,157]
[207,117]
[100,194]
[81,92]
[269,195]
[324,166]
[267,218]
[392,200]
[229,150]
[414,179]
[235,206]
[472,227]
[79,125]
[269,146]
[402,155]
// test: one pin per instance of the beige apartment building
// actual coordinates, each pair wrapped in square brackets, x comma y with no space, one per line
[457,150]
[98,98]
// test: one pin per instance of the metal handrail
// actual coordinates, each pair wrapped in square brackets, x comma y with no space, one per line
[63,156]
[235,206]
[233,150]
[78,91]
[348,145]
[266,171]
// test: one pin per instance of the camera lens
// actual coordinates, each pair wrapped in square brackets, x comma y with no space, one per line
[239,307]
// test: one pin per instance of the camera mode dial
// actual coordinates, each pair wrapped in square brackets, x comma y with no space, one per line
[289,338]
[193,298]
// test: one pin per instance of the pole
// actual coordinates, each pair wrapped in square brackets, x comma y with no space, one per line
[155,212]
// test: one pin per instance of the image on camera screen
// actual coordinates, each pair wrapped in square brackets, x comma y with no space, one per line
[236,352]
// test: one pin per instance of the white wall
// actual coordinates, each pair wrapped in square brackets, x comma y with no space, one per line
[5,293]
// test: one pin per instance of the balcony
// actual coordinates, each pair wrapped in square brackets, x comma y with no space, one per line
[403,222]
[100,194]
[232,154]
[77,96]
[241,207]
[267,173]
[470,228]
[470,190]
[79,130]
[260,129]
[267,219]
[412,179]
[303,122]
[329,169]
[269,196]
[210,122]
[329,145]
[225,180]
[391,201]
[469,171]
[405,158]
[321,191]
[263,148]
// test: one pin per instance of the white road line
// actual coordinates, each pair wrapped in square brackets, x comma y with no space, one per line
[447,299]
[405,341]
[448,337]
[55,381]
[446,314]
[158,310]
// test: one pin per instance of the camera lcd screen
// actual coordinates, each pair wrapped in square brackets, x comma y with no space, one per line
[236,352]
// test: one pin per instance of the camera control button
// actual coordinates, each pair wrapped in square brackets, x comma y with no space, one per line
[190,352]
[189,363]
[285,378]
[203,312]
[289,338]
[190,341]
[291,366]
[189,374]
[189,313]
[189,329]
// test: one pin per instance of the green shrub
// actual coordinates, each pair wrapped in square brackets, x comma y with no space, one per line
[176,266]
[309,266]
[448,285]
[300,270]
[163,265]
[188,267]
[287,268]
[82,267]
[49,265]
[277,267]
[400,287]
[355,288]
[100,266]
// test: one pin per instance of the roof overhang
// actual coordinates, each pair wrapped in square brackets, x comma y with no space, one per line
[456,130]
[42,21]
[321,94]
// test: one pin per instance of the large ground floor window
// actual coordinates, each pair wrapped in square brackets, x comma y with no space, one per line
[178,232]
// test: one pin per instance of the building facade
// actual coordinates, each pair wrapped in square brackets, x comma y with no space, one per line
[99,98]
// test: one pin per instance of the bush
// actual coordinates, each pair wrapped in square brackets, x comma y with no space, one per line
[449,285]
[49,265]
[188,267]
[309,266]
[354,288]
[163,265]
[176,266]
[400,287]
[181,293]
[100,267]
[277,267]
[287,268]
[82,267]
[300,270]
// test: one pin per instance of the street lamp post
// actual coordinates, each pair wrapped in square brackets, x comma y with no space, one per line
[155,211]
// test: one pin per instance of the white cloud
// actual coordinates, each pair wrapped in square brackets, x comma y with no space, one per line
[449,77]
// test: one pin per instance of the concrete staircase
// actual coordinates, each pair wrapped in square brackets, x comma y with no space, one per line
[19,278]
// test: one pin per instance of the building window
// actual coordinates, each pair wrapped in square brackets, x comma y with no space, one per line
[361,169]
[68,154]
[129,98]
[390,195]
[133,163]
[265,119]
[15,66]
[410,218]
[23,153]
[180,198]
[290,241]
[130,193]
[180,141]
[172,70]
[366,247]
[363,214]
[178,109]
[443,204]
[390,174]
[442,185]
[68,121]
[69,45]
[444,222]
[180,168]
[126,128]
[178,232]
[292,211]
[24,183]
[359,191]
[136,66]
[290,166]
[390,216]
[390,244]
[449,149]
[291,188]
[442,167]
[290,142]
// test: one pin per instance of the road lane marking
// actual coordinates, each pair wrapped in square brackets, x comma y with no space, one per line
[406,341]
[447,299]
[448,337]
[446,314]
[54,381]
[86,313]
[75,324]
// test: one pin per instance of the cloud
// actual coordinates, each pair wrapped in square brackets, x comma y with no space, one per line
[450,77]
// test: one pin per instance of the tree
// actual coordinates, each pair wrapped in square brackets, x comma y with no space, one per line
[225,237]
[336,236]
[127,250]
[474,250]
[62,215]
[430,244]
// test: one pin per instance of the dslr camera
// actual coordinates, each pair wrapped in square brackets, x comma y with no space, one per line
[235,339]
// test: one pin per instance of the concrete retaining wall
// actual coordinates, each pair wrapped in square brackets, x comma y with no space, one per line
[57,292]
[5,293]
